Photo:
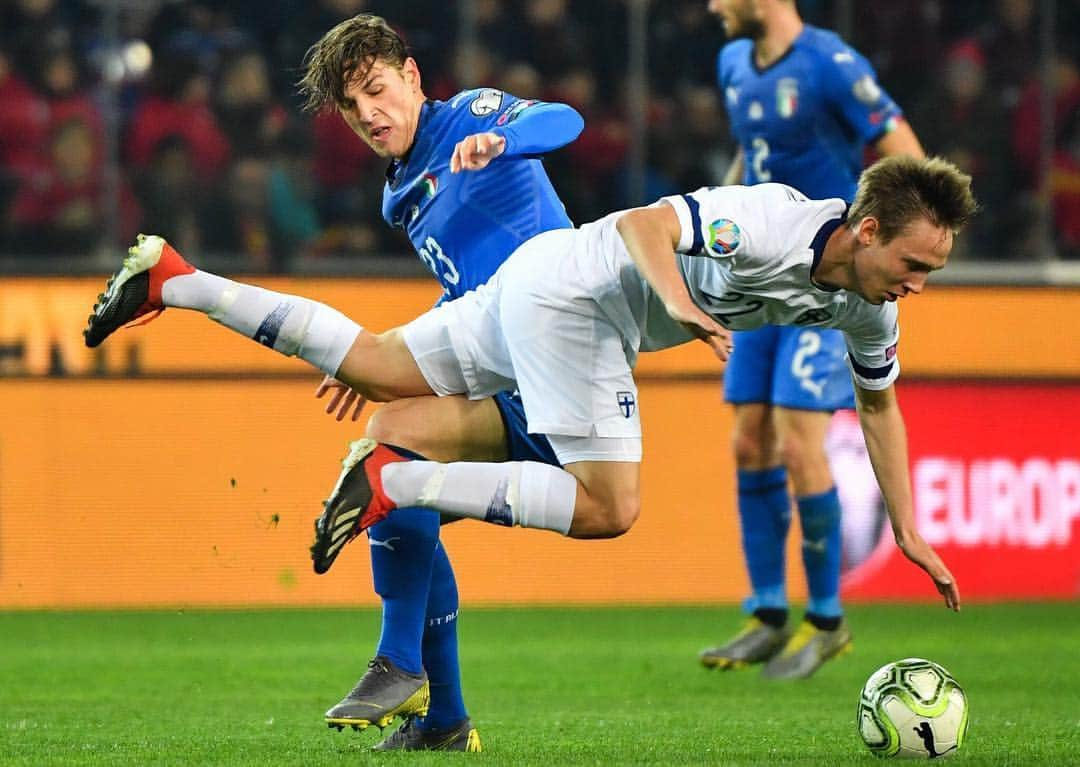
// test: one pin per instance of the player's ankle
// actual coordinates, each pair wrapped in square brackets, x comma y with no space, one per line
[824,622]
[772,616]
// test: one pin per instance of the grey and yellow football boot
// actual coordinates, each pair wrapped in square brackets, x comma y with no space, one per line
[409,737]
[756,642]
[807,651]
[383,692]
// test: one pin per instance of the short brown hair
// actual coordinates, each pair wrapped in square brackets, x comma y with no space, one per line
[346,53]
[899,189]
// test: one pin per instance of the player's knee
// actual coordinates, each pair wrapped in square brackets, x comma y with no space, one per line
[749,448]
[620,515]
[802,460]
[793,454]
[605,518]
[390,426]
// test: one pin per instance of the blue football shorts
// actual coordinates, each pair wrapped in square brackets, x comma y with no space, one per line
[523,446]
[795,367]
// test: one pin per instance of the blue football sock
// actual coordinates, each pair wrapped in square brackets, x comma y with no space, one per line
[764,517]
[402,551]
[441,647]
[820,517]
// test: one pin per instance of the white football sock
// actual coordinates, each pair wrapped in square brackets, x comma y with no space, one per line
[291,325]
[523,493]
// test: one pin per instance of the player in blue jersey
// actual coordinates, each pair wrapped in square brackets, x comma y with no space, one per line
[803,106]
[463,225]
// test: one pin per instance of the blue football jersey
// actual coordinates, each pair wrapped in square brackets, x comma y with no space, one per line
[464,225]
[804,120]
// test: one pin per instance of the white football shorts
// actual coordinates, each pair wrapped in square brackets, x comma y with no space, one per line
[537,327]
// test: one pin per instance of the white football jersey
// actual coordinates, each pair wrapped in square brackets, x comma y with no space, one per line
[746,254]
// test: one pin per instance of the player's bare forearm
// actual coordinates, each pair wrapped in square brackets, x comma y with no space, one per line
[651,236]
[900,140]
[735,171]
[886,443]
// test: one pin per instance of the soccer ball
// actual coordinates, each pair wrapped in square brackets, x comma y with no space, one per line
[912,709]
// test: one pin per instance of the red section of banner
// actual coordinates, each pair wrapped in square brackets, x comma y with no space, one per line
[996,481]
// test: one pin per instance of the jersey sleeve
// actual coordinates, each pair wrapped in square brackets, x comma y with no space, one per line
[531,128]
[721,222]
[871,349]
[851,87]
[688,209]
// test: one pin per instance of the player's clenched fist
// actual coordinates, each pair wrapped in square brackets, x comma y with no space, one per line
[476,151]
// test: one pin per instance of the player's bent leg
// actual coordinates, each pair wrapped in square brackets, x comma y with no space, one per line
[442,428]
[805,395]
[376,479]
[383,693]
[448,426]
[523,493]
[763,505]
[824,634]
[154,276]
[764,509]
[608,500]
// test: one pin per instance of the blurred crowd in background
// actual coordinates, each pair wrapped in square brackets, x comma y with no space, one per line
[211,149]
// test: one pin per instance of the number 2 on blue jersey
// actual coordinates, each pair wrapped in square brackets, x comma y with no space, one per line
[761,154]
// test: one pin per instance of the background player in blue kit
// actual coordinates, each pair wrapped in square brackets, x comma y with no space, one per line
[803,106]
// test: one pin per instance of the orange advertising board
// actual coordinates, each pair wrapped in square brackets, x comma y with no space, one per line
[163,493]
[967,332]
[197,484]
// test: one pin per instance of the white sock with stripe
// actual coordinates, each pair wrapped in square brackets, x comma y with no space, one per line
[522,493]
[291,325]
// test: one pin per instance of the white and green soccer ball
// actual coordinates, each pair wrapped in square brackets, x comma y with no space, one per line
[912,709]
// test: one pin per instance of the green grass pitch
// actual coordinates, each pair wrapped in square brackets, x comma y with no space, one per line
[613,686]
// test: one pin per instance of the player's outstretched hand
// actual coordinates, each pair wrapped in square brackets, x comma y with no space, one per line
[342,399]
[476,151]
[919,551]
[704,328]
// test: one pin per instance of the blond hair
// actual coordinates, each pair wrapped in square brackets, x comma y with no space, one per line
[898,190]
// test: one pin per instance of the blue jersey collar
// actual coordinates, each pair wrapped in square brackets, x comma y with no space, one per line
[783,56]
[393,170]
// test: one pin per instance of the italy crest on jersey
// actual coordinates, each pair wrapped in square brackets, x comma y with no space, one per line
[787,96]
[724,237]
[429,183]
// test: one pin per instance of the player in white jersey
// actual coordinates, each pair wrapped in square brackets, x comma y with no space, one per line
[564,318]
